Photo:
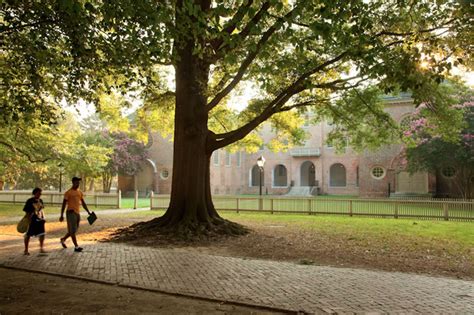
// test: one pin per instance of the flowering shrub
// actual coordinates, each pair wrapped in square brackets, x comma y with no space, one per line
[127,157]
[430,147]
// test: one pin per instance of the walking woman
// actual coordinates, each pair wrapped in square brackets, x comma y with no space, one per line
[34,208]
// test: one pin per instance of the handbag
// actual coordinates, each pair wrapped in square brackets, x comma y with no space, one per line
[91,218]
[22,226]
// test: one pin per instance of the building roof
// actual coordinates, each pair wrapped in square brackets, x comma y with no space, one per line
[400,97]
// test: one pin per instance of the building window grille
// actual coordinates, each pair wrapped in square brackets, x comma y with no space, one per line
[255,180]
[337,175]
[280,176]
[448,171]
[378,172]
[164,174]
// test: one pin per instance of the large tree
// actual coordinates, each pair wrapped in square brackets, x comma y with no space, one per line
[318,54]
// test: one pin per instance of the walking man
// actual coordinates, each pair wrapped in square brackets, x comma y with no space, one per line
[73,198]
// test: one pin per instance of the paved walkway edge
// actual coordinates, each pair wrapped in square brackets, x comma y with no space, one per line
[177,294]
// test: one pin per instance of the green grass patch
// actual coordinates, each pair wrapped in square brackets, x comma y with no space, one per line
[438,231]
[11,210]
[128,203]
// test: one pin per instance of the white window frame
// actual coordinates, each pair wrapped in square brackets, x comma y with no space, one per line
[239,159]
[384,172]
[228,160]
[164,177]
[216,158]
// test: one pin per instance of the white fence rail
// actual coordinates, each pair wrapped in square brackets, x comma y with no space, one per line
[56,198]
[459,210]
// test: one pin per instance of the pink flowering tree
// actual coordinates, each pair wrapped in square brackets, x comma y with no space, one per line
[444,148]
[127,158]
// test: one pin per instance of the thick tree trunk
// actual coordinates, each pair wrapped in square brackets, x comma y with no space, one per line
[191,211]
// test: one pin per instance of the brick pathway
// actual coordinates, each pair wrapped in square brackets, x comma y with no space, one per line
[311,289]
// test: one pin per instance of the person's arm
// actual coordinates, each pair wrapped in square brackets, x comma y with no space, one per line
[41,211]
[28,208]
[63,207]
[84,205]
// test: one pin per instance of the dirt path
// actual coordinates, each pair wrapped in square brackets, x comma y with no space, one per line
[23,292]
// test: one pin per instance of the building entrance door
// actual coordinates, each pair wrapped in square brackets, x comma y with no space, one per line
[308,174]
[416,183]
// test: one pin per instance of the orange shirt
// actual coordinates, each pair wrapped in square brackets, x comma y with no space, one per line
[73,198]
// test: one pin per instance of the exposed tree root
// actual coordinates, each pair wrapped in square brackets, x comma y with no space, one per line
[181,231]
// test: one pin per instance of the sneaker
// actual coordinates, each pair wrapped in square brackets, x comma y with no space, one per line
[62,243]
[78,249]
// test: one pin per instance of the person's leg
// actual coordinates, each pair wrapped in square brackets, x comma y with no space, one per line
[71,228]
[74,240]
[75,219]
[27,242]
[41,240]
[63,240]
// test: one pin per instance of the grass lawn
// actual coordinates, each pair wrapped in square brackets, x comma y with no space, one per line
[10,210]
[128,203]
[380,228]
[439,231]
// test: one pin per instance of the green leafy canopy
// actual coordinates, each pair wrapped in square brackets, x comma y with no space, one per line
[328,57]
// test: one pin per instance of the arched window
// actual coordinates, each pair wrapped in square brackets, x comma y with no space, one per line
[280,176]
[255,176]
[337,175]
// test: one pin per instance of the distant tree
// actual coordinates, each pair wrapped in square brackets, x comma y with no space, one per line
[127,158]
[28,149]
[431,148]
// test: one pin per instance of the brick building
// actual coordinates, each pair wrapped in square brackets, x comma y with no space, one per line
[315,168]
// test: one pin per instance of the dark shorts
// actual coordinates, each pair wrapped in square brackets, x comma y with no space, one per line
[36,227]
[73,220]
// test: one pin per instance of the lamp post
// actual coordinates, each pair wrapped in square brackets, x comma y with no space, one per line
[260,164]
[61,169]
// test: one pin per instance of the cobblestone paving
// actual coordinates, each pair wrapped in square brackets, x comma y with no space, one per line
[311,289]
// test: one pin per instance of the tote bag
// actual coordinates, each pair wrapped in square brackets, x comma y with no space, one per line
[22,226]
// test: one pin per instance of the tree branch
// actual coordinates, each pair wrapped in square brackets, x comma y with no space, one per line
[232,24]
[246,63]
[222,140]
[403,34]
[8,30]
[28,156]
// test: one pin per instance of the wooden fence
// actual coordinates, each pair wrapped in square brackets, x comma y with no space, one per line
[444,209]
[56,198]
[457,210]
